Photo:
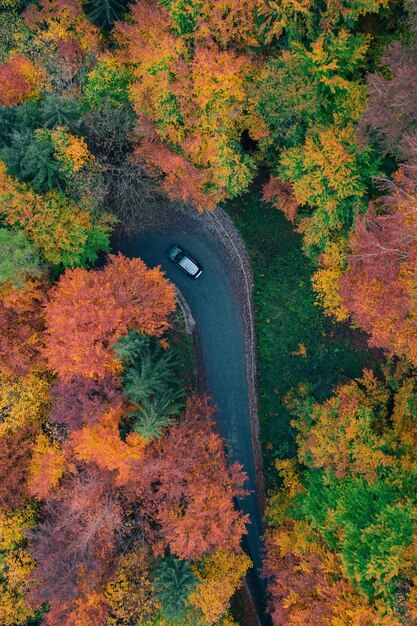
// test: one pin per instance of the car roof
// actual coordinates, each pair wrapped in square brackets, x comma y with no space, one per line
[188,265]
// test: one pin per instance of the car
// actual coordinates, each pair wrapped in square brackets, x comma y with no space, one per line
[184,261]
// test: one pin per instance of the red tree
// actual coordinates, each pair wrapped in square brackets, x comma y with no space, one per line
[74,545]
[15,456]
[88,311]
[21,323]
[19,80]
[379,284]
[392,106]
[185,486]
[84,401]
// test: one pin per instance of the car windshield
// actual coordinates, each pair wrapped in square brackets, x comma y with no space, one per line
[188,265]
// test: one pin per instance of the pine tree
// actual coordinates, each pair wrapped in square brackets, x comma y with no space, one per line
[173,583]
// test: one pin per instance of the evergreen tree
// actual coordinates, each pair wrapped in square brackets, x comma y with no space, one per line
[60,111]
[105,13]
[173,583]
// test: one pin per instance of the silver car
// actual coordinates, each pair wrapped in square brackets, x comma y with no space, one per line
[181,258]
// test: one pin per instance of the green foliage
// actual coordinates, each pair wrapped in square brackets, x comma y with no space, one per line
[31,159]
[108,83]
[289,319]
[14,35]
[22,120]
[18,258]
[311,85]
[104,13]
[174,580]
[183,14]
[150,381]
[329,174]
[62,111]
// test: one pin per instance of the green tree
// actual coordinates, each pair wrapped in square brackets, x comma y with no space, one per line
[18,258]
[150,382]
[350,510]
[31,159]
[309,85]
[105,13]
[173,582]
[108,83]
[329,175]
[59,110]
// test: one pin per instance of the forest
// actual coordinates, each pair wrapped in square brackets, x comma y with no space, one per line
[117,496]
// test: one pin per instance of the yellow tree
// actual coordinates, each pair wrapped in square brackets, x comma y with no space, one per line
[219,575]
[16,564]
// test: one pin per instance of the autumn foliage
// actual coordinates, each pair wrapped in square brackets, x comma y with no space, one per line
[379,284]
[88,311]
[20,80]
[327,558]
[185,486]
[64,232]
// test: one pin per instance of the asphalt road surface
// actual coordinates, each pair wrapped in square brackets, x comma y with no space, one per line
[220,329]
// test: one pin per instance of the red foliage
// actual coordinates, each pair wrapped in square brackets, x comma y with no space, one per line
[21,323]
[74,545]
[280,194]
[392,105]
[15,455]
[83,400]
[185,486]
[183,180]
[18,80]
[379,285]
[89,310]
[306,591]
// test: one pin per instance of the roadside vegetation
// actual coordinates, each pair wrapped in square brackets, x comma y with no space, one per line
[297,343]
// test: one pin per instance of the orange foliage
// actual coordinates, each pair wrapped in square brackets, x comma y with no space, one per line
[88,311]
[61,21]
[308,586]
[64,231]
[186,487]
[280,194]
[20,80]
[101,443]
[183,180]
[21,324]
[379,286]
[186,101]
[341,433]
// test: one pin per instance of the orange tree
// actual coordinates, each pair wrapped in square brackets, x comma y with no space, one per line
[185,91]
[88,311]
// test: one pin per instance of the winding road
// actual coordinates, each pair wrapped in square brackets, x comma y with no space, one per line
[214,304]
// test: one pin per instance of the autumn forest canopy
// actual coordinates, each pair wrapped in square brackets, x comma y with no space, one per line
[117,498]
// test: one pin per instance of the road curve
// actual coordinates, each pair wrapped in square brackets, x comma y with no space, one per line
[214,304]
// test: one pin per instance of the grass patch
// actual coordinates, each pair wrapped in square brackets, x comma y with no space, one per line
[297,343]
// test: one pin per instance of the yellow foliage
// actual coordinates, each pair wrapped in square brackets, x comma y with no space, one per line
[130,595]
[289,474]
[25,400]
[16,564]
[71,150]
[57,21]
[326,280]
[220,574]
[46,468]
[13,525]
